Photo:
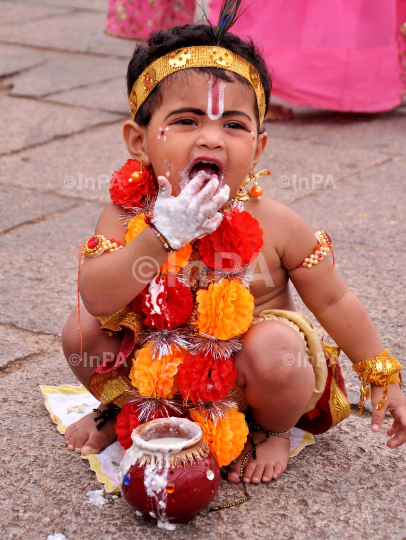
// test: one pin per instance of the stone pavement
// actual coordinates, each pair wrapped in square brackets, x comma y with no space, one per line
[62,104]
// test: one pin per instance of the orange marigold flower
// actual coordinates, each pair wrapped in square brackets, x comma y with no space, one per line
[177,260]
[155,378]
[226,438]
[225,309]
[135,226]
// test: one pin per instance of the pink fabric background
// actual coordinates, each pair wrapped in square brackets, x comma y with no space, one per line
[337,54]
[136,19]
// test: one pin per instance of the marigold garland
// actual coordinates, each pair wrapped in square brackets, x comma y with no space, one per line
[217,306]
[226,438]
[175,261]
[127,420]
[224,310]
[205,378]
[166,303]
[128,192]
[135,226]
[155,377]
[235,243]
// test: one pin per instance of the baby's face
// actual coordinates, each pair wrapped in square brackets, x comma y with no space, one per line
[206,125]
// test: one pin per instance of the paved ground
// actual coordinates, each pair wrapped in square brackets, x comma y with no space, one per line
[62,103]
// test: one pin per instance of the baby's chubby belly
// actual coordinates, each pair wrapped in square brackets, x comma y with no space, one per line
[272,295]
[281,299]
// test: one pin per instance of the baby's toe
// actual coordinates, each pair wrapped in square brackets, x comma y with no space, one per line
[92,446]
[72,439]
[69,429]
[277,470]
[268,472]
[248,472]
[81,439]
[69,432]
[257,474]
[233,473]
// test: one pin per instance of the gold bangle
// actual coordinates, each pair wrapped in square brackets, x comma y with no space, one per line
[382,370]
[97,245]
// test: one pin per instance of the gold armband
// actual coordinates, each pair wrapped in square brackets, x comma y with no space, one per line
[323,248]
[382,370]
[97,245]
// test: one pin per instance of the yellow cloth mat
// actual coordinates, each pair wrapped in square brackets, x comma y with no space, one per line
[67,404]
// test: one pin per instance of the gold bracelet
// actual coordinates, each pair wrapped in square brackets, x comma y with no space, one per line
[160,236]
[164,241]
[96,245]
[382,370]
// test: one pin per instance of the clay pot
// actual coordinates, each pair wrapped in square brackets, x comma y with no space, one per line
[169,483]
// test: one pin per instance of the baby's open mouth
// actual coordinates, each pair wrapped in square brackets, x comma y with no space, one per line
[208,167]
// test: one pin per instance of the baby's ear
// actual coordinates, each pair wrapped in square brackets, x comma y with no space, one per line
[261,144]
[134,138]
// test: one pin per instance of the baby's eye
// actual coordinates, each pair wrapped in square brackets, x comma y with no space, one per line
[186,122]
[235,125]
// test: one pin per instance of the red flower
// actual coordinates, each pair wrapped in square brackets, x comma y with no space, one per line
[234,244]
[167,303]
[127,421]
[127,191]
[206,378]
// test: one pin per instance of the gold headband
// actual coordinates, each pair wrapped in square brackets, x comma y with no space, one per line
[193,57]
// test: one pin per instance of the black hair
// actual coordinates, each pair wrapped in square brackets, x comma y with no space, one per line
[189,35]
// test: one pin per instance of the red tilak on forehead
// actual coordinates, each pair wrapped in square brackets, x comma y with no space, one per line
[215,98]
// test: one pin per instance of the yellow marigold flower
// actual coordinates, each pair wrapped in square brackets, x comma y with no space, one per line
[225,309]
[135,226]
[155,378]
[226,438]
[177,260]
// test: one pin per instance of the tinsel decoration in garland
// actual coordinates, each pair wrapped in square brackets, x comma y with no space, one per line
[194,311]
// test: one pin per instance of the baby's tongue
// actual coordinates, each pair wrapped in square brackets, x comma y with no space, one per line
[208,168]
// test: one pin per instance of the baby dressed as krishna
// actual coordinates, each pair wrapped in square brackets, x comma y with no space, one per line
[173,322]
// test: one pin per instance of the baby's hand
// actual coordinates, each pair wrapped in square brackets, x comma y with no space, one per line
[396,405]
[186,217]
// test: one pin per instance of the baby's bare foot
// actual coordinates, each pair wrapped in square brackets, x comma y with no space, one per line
[272,459]
[84,438]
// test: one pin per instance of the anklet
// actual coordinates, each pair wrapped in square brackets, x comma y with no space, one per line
[252,453]
[256,427]
[106,414]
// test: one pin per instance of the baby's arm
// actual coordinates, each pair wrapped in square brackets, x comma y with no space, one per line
[341,314]
[109,282]
[323,291]
[327,296]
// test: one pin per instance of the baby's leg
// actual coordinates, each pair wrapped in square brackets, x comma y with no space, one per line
[278,385]
[83,435]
